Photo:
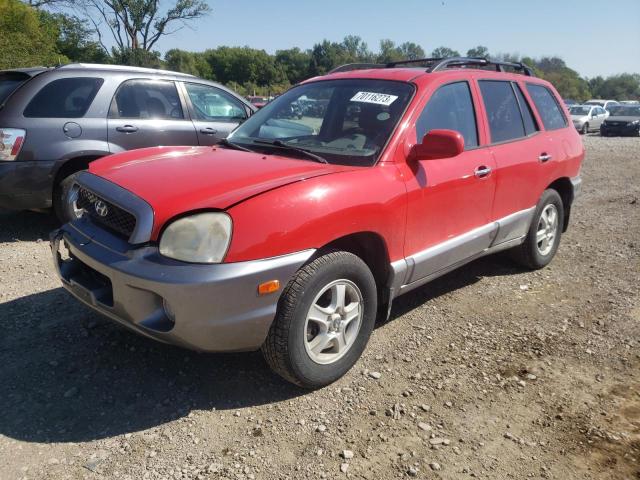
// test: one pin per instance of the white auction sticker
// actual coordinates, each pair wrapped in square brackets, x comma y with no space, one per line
[377,98]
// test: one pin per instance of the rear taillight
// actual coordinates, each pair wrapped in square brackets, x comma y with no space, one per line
[11,140]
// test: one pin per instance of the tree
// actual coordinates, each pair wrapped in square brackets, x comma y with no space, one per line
[444,52]
[294,63]
[625,86]
[75,38]
[479,51]
[25,40]
[388,52]
[194,63]
[139,24]
[411,51]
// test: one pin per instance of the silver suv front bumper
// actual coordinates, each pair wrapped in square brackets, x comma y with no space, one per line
[200,307]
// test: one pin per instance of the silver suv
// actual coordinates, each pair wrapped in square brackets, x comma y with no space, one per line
[55,121]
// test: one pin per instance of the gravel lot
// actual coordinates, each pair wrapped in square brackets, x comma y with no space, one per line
[489,372]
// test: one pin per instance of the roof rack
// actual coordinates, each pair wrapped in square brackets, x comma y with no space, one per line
[124,68]
[480,61]
[438,64]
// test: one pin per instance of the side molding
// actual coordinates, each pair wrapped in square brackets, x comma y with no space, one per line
[422,267]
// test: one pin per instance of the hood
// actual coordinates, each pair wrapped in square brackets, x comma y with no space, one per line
[174,180]
[614,118]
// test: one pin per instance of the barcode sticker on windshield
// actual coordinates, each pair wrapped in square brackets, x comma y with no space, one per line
[377,98]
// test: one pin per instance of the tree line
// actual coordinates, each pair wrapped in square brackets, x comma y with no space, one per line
[38,33]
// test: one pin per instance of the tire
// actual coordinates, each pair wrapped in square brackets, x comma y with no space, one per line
[585,129]
[534,253]
[294,345]
[62,209]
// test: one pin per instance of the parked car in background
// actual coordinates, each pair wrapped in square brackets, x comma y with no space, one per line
[294,242]
[258,102]
[606,104]
[624,120]
[629,102]
[55,121]
[587,118]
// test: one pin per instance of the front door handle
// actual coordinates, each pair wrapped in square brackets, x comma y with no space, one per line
[127,129]
[482,171]
[544,157]
[208,131]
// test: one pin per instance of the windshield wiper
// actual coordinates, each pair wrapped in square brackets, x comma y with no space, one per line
[291,148]
[226,143]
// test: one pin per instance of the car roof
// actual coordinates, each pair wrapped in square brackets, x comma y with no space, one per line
[410,74]
[121,68]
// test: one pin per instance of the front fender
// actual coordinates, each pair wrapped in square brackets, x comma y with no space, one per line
[314,212]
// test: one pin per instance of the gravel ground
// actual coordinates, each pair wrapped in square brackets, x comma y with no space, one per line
[489,372]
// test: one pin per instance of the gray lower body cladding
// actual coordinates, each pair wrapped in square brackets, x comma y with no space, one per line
[422,267]
[26,185]
[200,307]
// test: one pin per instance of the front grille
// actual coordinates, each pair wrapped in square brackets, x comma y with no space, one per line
[106,213]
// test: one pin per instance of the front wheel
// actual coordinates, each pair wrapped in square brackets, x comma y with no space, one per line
[585,129]
[324,320]
[543,238]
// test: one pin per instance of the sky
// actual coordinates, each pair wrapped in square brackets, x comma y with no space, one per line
[594,37]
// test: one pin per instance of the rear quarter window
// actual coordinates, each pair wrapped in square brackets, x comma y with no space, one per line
[9,83]
[547,106]
[64,98]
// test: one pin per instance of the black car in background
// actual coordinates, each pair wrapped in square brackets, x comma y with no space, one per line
[624,120]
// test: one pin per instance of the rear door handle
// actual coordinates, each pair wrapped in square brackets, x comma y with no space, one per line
[208,131]
[127,129]
[544,157]
[482,171]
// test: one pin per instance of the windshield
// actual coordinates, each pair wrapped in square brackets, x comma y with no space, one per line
[625,111]
[345,122]
[580,110]
[9,82]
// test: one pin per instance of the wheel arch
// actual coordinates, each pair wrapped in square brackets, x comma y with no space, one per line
[72,165]
[564,187]
[372,248]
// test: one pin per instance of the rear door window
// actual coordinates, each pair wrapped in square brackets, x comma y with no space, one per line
[503,110]
[147,99]
[547,106]
[450,108]
[9,83]
[64,98]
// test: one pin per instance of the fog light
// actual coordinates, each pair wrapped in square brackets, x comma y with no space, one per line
[168,311]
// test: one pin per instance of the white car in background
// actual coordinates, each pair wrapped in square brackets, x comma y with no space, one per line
[587,118]
[602,103]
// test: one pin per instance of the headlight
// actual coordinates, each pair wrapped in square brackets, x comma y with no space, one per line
[200,238]
[635,122]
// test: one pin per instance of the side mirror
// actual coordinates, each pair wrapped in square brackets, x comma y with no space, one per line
[438,144]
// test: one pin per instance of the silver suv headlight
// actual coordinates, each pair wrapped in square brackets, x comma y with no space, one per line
[199,238]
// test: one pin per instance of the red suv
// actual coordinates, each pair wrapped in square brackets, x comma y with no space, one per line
[295,234]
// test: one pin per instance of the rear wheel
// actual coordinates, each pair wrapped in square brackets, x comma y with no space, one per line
[543,238]
[324,320]
[63,208]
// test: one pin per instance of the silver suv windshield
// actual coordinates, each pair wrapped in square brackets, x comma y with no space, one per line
[345,122]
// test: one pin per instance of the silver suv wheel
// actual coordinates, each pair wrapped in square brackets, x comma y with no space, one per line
[333,321]
[547,229]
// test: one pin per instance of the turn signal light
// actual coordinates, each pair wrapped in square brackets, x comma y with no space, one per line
[268,287]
